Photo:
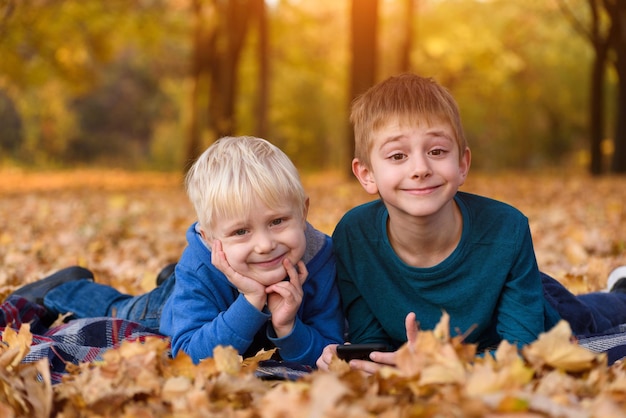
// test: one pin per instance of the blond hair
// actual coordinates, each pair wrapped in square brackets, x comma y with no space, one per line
[236,172]
[410,98]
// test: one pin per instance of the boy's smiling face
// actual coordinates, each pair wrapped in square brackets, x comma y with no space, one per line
[416,170]
[257,244]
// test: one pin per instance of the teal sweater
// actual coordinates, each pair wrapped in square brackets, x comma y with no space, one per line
[490,284]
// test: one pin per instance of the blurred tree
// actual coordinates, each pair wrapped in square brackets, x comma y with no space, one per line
[310,60]
[518,94]
[617,11]
[11,125]
[606,32]
[263,77]
[598,35]
[220,30]
[410,17]
[364,31]
[117,118]
[513,66]
[55,51]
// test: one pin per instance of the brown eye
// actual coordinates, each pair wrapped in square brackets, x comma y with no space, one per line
[437,152]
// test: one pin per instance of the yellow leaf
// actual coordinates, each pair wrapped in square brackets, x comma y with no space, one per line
[20,342]
[442,329]
[555,349]
[227,359]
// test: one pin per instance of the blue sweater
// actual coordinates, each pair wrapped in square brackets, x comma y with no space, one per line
[205,310]
[490,285]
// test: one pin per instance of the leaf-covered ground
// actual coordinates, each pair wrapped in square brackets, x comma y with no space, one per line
[127,226]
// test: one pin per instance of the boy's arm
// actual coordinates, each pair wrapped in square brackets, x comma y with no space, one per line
[520,312]
[198,318]
[320,320]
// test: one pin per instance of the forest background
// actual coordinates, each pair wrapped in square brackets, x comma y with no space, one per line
[148,84]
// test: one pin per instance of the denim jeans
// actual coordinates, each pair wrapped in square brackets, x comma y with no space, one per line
[87,299]
[587,314]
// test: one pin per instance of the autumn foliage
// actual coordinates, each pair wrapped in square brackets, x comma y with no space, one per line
[125,227]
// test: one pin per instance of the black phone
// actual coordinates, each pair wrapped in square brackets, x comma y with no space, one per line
[349,352]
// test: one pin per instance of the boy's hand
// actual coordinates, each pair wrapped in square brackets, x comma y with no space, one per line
[379,358]
[284,298]
[252,290]
[323,362]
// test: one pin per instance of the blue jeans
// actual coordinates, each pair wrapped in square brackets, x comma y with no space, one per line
[588,314]
[87,299]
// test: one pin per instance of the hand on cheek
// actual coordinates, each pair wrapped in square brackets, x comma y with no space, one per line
[252,290]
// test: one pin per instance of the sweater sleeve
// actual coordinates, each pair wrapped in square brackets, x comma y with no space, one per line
[198,317]
[520,311]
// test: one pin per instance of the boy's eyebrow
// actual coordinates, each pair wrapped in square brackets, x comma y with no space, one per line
[436,132]
[439,133]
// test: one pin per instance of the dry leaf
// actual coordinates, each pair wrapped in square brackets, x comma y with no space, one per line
[19,345]
[555,349]
[227,359]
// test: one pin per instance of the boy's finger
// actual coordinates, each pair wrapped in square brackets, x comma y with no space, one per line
[411,328]
[294,275]
[303,273]
[365,366]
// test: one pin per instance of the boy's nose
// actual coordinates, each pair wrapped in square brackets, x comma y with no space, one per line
[420,166]
[263,242]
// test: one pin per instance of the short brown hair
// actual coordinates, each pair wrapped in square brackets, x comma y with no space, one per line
[409,97]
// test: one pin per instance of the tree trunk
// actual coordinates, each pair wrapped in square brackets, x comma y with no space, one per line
[199,67]
[263,77]
[364,28]
[232,27]
[596,96]
[409,27]
[618,12]
[600,42]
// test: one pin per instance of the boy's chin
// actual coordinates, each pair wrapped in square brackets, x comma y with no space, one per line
[270,280]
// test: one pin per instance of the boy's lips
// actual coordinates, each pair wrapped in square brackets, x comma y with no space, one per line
[421,190]
[271,262]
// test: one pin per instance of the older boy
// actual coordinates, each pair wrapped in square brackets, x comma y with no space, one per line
[425,247]
[254,275]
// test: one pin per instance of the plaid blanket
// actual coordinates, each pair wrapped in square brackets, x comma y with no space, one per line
[611,342]
[78,341]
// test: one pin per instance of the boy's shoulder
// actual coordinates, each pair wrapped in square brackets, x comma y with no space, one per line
[365,209]
[486,206]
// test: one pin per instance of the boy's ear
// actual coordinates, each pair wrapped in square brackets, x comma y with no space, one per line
[464,164]
[205,237]
[306,211]
[364,175]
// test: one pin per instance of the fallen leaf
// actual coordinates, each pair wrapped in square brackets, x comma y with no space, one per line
[555,349]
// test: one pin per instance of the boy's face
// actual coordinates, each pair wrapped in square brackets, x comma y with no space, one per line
[256,245]
[416,170]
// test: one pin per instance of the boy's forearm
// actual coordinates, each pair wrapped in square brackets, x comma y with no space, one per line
[235,326]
